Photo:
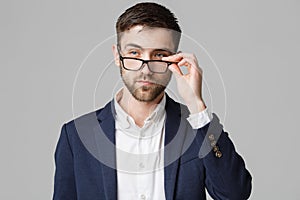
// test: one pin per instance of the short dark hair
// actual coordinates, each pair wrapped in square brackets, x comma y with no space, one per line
[147,14]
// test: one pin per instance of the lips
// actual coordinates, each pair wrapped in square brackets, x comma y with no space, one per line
[145,82]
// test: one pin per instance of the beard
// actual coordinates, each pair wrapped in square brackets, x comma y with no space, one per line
[145,93]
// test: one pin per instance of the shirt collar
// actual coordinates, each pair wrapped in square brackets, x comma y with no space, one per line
[127,121]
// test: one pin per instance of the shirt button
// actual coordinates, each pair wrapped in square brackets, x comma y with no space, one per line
[143,134]
[143,196]
[142,165]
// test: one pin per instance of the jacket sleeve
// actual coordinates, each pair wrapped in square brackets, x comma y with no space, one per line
[64,180]
[226,174]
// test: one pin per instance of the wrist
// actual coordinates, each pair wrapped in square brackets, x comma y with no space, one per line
[196,106]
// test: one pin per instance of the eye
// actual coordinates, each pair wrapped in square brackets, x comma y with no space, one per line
[133,53]
[160,55]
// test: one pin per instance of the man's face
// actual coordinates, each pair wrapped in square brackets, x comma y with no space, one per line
[147,44]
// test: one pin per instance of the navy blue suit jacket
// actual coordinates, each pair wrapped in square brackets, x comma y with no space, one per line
[85,163]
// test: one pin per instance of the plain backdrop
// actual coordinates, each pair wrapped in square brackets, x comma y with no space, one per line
[49,74]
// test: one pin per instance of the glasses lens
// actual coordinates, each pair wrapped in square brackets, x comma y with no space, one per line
[132,64]
[158,67]
[154,66]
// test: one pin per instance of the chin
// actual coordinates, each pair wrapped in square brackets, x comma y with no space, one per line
[147,93]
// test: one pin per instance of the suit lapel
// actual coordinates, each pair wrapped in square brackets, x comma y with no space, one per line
[109,174]
[173,144]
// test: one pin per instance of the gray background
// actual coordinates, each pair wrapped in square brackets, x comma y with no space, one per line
[255,45]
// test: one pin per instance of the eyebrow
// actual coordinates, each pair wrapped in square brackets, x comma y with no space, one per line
[140,47]
[133,45]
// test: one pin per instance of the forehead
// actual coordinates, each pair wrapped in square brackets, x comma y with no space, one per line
[148,38]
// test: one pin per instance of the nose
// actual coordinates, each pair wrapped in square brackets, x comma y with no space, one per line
[145,69]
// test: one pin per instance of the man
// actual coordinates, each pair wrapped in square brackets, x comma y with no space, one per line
[143,144]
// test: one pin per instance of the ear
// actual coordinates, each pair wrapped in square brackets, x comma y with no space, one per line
[116,55]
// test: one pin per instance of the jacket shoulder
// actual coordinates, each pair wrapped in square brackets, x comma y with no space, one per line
[88,119]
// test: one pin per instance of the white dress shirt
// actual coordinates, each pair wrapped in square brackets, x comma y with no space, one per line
[140,151]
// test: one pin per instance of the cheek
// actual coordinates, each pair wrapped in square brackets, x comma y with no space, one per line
[164,79]
[127,75]
[167,76]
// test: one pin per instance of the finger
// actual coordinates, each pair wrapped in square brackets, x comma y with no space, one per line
[173,58]
[179,56]
[191,64]
[175,70]
[185,62]
[184,55]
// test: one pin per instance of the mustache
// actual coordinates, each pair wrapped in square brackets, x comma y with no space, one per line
[146,78]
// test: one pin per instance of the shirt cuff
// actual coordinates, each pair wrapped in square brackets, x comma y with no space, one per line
[198,120]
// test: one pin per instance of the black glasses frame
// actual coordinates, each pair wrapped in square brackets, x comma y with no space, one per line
[143,62]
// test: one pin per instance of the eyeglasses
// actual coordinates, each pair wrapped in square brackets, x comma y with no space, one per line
[136,64]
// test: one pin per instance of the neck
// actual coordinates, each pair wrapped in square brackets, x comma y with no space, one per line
[138,110]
